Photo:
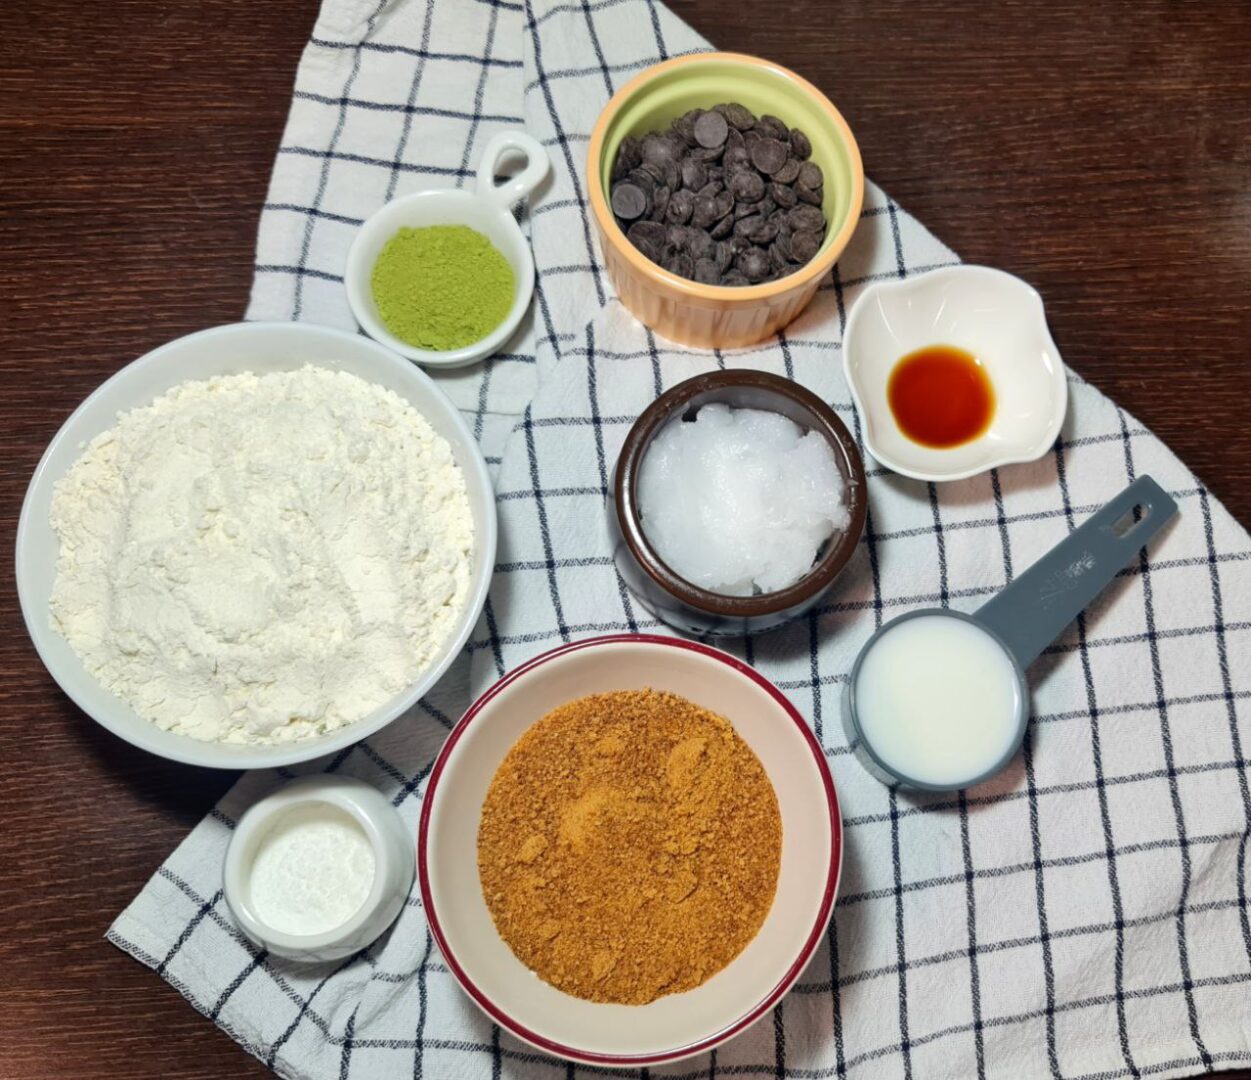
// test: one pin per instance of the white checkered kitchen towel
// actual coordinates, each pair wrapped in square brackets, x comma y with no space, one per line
[1083,915]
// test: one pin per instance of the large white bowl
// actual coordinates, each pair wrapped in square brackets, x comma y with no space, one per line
[995,316]
[224,350]
[678,1025]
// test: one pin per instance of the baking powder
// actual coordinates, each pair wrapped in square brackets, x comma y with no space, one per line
[312,871]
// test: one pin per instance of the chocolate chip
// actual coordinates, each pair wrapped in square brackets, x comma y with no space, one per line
[699,244]
[804,245]
[679,263]
[641,178]
[806,218]
[739,115]
[747,225]
[747,186]
[768,155]
[660,203]
[724,255]
[629,156]
[743,209]
[703,211]
[681,203]
[764,233]
[800,144]
[810,175]
[628,201]
[648,237]
[724,203]
[684,126]
[777,258]
[710,130]
[694,174]
[673,176]
[675,236]
[812,196]
[707,272]
[653,170]
[773,127]
[659,150]
[734,138]
[722,227]
[788,172]
[710,190]
[651,231]
[782,194]
[649,250]
[736,157]
[707,154]
[754,263]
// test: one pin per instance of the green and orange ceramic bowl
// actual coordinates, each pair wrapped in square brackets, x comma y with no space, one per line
[716,316]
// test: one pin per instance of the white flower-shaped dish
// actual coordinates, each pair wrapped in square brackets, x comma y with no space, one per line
[993,315]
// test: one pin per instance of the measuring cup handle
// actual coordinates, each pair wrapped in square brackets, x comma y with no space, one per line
[1031,612]
[516,188]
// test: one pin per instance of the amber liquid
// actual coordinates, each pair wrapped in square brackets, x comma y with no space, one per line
[941,396]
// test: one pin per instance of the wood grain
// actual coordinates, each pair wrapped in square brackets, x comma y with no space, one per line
[1103,152]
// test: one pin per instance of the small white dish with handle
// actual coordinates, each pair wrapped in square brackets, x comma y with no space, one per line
[488,210]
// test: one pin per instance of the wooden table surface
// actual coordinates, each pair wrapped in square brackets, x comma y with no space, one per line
[1101,151]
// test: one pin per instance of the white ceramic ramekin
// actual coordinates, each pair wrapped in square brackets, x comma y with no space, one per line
[995,316]
[394,866]
[488,209]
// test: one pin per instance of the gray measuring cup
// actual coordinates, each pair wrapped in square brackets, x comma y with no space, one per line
[1028,615]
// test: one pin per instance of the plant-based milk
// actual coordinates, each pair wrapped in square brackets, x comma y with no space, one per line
[937,700]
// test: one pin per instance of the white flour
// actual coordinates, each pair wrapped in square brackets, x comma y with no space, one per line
[258,559]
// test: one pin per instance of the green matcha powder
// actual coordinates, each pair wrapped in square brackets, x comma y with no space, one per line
[442,287]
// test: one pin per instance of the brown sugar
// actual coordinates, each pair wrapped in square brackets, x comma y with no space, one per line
[629,846]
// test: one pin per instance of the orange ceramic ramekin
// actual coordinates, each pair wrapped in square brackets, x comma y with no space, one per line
[710,316]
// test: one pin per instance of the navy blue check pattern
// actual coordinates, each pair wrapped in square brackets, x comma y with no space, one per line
[1084,915]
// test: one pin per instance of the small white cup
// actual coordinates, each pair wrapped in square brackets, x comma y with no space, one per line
[487,209]
[394,866]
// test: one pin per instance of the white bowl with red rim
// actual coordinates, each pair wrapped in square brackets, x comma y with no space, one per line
[679,1025]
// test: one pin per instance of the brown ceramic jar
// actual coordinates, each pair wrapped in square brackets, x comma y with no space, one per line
[685,606]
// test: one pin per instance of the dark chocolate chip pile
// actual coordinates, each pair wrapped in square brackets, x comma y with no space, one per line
[723,197]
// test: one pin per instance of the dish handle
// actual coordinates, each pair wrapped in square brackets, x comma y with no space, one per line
[515,188]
